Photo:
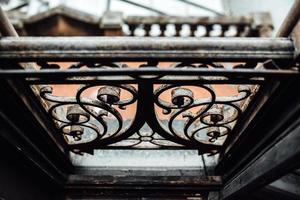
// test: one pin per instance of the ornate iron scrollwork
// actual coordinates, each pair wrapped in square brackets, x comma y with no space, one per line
[183,120]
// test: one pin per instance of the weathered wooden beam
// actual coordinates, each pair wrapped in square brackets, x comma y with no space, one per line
[80,186]
[144,171]
[201,183]
[269,166]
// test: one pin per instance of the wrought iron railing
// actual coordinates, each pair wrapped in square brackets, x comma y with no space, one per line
[158,93]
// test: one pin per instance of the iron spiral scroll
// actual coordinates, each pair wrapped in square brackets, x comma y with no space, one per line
[184,120]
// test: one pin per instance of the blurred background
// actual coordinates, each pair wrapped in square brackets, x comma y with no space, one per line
[277,8]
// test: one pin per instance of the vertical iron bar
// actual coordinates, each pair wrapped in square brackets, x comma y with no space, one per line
[290,21]
[6,28]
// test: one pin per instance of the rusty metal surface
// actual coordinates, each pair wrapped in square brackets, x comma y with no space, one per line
[139,48]
[211,182]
